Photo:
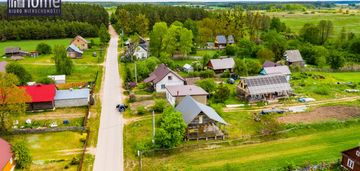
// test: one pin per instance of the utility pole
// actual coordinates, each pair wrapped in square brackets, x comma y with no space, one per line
[135,73]
[153,124]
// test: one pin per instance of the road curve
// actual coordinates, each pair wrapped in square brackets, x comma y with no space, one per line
[109,149]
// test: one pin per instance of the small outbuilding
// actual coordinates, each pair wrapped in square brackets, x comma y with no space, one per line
[294,58]
[74,52]
[80,42]
[59,79]
[72,97]
[188,68]
[175,94]
[7,162]
[221,64]
[42,96]
[351,159]
[202,121]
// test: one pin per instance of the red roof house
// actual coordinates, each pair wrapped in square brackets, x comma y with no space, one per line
[42,96]
[6,156]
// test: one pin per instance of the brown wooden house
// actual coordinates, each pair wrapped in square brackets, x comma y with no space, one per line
[222,64]
[351,159]
[202,121]
[294,58]
[263,88]
[80,42]
[15,51]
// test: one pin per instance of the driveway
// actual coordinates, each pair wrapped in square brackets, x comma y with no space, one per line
[109,149]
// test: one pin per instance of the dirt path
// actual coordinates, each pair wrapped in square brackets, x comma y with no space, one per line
[322,114]
[54,116]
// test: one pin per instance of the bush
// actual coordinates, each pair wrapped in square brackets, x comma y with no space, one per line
[208,84]
[141,110]
[159,105]
[222,93]
[225,74]
[23,75]
[207,74]
[43,48]
[22,155]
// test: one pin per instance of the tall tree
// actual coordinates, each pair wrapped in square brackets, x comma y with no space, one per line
[104,34]
[310,33]
[12,100]
[23,75]
[325,30]
[264,54]
[22,155]
[186,40]
[142,25]
[156,38]
[63,64]
[276,42]
[240,67]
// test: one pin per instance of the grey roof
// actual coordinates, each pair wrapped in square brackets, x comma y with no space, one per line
[278,70]
[12,50]
[190,108]
[225,63]
[75,48]
[230,39]
[293,56]
[266,84]
[183,90]
[159,73]
[270,64]
[81,38]
[220,39]
[3,66]
[72,94]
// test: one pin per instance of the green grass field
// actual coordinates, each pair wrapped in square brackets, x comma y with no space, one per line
[52,151]
[296,21]
[272,155]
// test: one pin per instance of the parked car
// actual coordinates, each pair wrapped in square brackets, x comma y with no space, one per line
[121,107]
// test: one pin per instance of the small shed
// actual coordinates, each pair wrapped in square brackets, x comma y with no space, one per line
[74,52]
[293,57]
[188,68]
[59,79]
[15,51]
[72,97]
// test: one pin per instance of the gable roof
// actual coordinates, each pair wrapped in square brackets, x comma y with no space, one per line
[220,39]
[190,108]
[222,63]
[72,94]
[74,48]
[270,64]
[6,153]
[159,73]
[293,56]
[12,50]
[266,84]
[41,92]
[183,90]
[3,66]
[278,70]
[351,153]
[230,39]
[81,38]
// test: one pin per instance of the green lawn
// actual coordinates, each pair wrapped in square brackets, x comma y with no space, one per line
[296,21]
[52,151]
[346,76]
[272,155]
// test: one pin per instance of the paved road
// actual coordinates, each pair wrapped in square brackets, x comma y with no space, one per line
[109,150]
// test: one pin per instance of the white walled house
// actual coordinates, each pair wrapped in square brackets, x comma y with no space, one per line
[141,52]
[162,76]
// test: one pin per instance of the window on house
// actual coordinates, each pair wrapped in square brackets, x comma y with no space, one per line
[350,163]
[201,119]
[162,86]
[169,77]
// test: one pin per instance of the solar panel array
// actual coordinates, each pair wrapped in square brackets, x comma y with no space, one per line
[267,84]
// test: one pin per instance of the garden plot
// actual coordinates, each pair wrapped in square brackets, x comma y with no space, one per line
[322,114]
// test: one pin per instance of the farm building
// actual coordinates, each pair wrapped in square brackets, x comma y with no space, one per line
[163,76]
[3,66]
[283,70]
[15,51]
[269,64]
[42,96]
[59,79]
[176,94]
[72,98]
[7,162]
[188,68]
[74,52]
[202,121]
[222,64]
[293,57]
[141,51]
[80,42]
[263,88]
[351,159]
[221,41]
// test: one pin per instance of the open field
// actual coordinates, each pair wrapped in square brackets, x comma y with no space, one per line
[296,21]
[52,151]
[314,148]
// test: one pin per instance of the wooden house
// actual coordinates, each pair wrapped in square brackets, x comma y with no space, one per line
[163,76]
[263,88]
[80,42]
[15,51]
[351,159]
[42,97]
[74,52]
[202,121]
[175,94]
[222,41]
[221,64]
[7,162]
[294,58]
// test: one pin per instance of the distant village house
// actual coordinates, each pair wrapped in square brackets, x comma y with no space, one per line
[294,58]
[74,52]
[221,41]
[15,51]
[80,42]
[222,64]
[163,76]
[175,94]
[141,52]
